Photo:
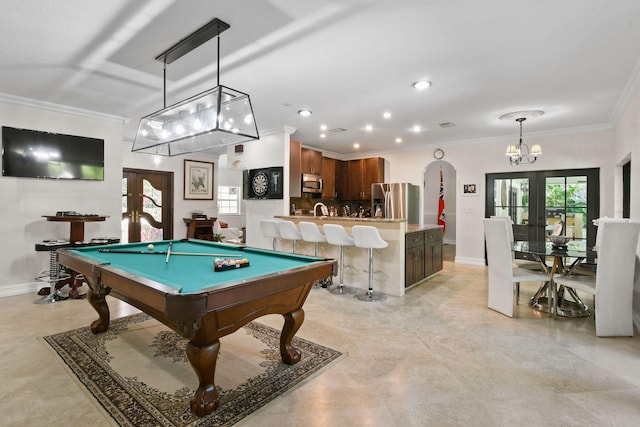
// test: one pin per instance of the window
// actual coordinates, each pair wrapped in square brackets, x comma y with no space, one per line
[228,200]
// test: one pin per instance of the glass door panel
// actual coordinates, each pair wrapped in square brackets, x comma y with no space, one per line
[566,206]
[146,206]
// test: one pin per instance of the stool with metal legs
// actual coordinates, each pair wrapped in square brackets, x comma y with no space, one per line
[366,236]
[336,235]
[311,233]
[53,276]
[288,231]
[269,228]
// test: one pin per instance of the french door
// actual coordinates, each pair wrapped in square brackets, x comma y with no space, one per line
[147,205]
[537,201]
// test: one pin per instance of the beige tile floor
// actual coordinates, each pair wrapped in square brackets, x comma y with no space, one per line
[436,357]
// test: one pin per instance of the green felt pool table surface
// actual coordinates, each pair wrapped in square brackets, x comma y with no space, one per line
[191,298]
[188,274]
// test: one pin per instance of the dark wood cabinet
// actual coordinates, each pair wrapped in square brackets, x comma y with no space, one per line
[311,161]
[359,176]
[423,255]
[329,176]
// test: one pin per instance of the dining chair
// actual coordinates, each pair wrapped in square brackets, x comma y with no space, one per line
[517,262]
[612,285]
[502,274]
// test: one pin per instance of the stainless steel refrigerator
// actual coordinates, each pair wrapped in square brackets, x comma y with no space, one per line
[398,200]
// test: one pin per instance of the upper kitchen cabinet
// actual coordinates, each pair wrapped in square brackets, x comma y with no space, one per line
[329,175]
[359,176]
[311,161]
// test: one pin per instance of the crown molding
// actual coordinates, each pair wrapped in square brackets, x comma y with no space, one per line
[50,106]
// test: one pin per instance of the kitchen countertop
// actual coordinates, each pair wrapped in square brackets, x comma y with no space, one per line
[339,218]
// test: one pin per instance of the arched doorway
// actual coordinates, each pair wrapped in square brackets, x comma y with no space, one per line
[431,187]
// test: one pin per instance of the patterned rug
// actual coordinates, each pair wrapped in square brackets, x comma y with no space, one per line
[139,373]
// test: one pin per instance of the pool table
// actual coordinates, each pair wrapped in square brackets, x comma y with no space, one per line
[185,293]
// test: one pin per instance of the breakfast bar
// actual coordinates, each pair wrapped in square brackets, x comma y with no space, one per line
[390,262]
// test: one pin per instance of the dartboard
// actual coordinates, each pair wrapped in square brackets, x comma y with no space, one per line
[260,184]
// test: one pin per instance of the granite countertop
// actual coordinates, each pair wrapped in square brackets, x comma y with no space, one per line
[338,218]
[412,228]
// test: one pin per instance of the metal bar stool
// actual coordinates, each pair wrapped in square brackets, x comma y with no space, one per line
[289,231]
[336,235]
[366,236]
[269,228]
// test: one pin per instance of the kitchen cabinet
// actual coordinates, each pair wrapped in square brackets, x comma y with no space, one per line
[329,176]
[311,161]
[423,254]
[359,176]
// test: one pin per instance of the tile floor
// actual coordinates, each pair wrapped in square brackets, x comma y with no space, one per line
[436,357]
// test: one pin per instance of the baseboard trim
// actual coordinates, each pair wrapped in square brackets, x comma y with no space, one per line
[19,289]
[470,261]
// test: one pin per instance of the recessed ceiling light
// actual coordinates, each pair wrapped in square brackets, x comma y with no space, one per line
[356,145]
[323,127]
[368,128]
[304,113]
[416,128]
[398,140]
[421,84]
[323,135]
[386,115]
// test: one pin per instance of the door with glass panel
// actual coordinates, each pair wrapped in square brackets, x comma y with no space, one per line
[147,212]
[537,201]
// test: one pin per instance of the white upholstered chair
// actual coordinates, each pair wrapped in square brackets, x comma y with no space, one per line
[311,233]
[612,286]
[521,263]
[229,234]
[502,274]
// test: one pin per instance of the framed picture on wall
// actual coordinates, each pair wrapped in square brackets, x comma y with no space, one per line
[198,180]
[470,189]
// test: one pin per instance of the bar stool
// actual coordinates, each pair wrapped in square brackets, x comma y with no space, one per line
[336,235]
[269,228]
[366,236]
[311,233]
[289,231]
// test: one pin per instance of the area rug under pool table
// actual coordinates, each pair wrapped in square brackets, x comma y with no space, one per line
[139,374]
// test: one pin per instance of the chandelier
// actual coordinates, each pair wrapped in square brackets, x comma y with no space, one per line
[520,154]
[216,117]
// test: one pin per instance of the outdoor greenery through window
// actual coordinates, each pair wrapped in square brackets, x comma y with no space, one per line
[228,200]
[566,201]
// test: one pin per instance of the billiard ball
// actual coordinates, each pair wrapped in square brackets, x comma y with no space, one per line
[150,246]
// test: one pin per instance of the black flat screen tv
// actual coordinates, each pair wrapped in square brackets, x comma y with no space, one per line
[37,154]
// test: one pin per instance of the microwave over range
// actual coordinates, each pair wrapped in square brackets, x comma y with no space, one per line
[312,184]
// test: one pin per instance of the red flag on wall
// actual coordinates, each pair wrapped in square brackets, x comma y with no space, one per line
[441,220]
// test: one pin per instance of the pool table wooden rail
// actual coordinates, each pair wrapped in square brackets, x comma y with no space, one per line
[205,316]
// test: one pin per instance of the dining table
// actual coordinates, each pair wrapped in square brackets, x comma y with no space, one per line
[554,260]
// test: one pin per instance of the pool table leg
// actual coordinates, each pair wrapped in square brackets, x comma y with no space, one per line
[96,297]
[203,360]
[292,322]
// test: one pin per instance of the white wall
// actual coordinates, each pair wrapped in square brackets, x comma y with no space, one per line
[567,150]
[271,150]
[181,208]
[23,201]
[627,146]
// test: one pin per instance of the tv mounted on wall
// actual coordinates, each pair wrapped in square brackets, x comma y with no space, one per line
[37,154]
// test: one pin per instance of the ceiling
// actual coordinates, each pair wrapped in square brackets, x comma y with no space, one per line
[347,61]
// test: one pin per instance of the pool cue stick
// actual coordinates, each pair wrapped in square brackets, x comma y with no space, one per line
[126,251]
[166,261]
